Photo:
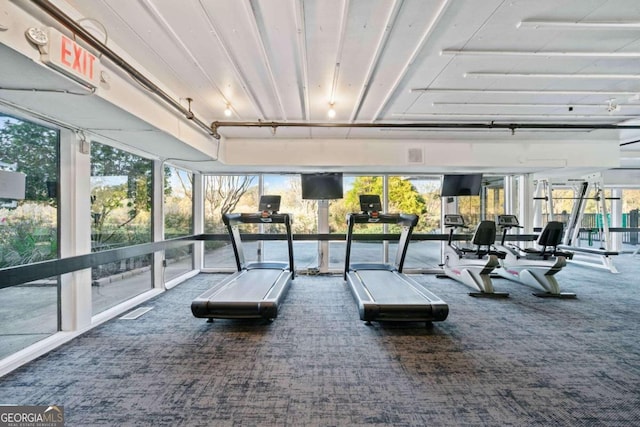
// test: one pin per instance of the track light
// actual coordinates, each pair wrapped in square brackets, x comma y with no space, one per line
[332,112]
[227,111]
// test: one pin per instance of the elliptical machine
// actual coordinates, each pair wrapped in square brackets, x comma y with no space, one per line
[534,267]
[473,266]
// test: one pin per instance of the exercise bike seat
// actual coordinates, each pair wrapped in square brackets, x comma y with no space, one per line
[549,239]
[484,236]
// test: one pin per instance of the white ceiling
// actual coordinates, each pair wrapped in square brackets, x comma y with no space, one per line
[387,61]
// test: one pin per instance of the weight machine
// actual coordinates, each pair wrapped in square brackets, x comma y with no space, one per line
[588,188]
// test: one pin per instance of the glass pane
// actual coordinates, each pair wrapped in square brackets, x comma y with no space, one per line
[117,282]
[493,197]
[28,230]
[304,221]
[178,220]
[179,261]
[361,251]
[120,198]
[121,187]
[18,331]
[178,203]
[29,220]
[419,195]
[422,254]
[227,194]
[630,215]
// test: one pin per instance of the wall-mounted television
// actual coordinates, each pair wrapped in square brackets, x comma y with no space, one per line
[321,186]
[461,185]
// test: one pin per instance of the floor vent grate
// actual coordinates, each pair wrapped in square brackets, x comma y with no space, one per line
[134,314]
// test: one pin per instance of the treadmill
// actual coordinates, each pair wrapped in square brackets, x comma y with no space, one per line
[382,291]
[257,289]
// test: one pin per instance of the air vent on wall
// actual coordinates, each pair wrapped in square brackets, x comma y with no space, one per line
[414,156]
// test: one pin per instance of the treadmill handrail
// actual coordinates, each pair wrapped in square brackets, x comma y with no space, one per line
[256,218]
[408,221]
[384,218]
[232,220]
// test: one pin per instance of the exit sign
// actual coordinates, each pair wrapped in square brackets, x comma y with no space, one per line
[67,56]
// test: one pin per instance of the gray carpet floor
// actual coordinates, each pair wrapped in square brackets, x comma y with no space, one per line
[521,361]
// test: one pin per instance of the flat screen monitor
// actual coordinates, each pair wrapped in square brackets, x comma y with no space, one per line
[321,186]
[461,185]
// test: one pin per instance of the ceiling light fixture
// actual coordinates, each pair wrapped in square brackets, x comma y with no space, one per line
[579,25]
[227,111]
[477,52]
[480,74]
[332,112]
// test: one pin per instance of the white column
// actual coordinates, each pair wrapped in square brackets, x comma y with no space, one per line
[385,208]
[75,229]
[616,218]
[323,227]
[531,215]
[198,219]
[157,215]
[510,195]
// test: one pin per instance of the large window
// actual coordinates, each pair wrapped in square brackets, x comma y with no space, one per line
[407,194]
[304,217]
[121,188]
[423,199]
[227,194]
[361,251]
[178,220]
[28,230]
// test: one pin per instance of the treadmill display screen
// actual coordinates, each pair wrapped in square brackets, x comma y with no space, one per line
[507,220]
[321,186]
[370,203]
[453,219]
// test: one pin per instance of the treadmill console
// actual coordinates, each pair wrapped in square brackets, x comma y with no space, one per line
[453,220]
[370,203]
[269,204]
[508,221]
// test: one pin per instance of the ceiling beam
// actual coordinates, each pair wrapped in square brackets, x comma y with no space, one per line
[550,53]
[257,30]
[375,60]
[234,64]
[581,25]
[430,27]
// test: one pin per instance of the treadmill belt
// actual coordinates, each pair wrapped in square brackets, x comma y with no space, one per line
[386,287]
[252,285]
